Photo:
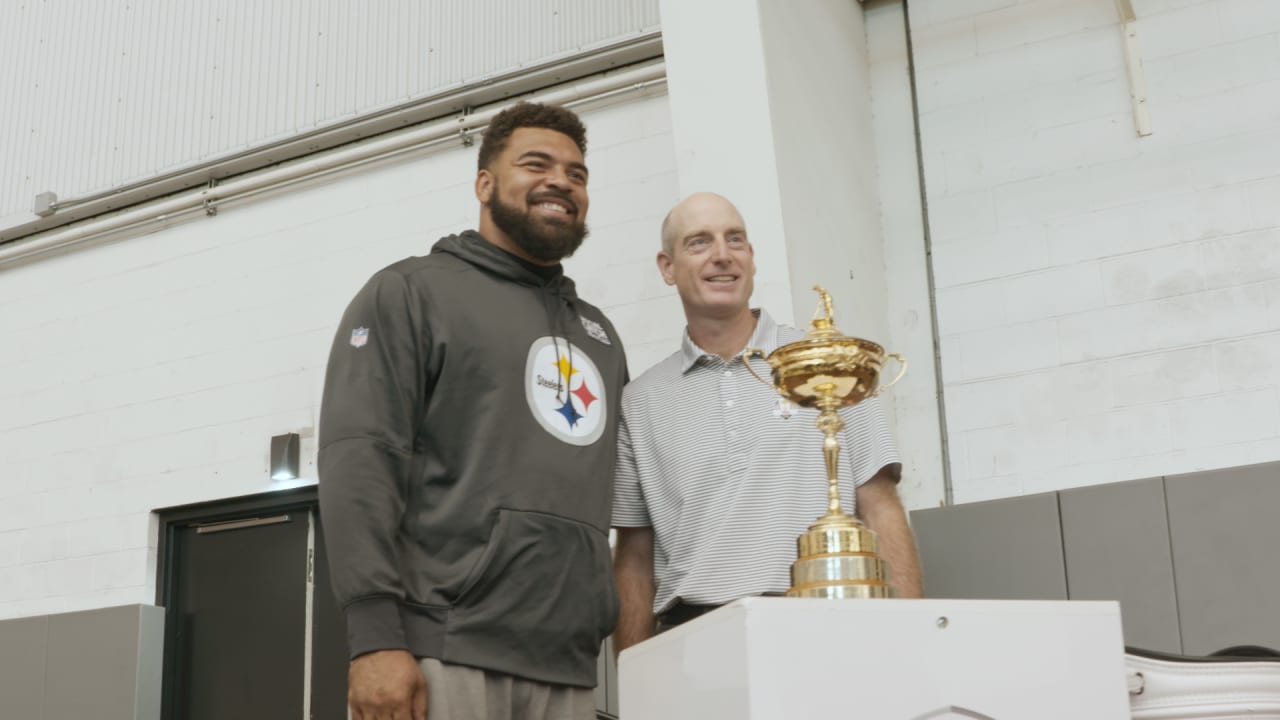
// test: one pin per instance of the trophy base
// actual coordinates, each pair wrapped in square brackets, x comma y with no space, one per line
[837,559]
[842,592]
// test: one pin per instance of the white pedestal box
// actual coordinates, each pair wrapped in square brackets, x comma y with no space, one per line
[797,658]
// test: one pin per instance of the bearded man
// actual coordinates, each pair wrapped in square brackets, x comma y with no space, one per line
[467,439]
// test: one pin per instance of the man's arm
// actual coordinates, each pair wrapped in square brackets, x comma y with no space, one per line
[881,509]
[369,415]
[633,571]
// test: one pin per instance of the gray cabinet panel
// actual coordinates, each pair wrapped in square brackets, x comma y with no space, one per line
[1003,549]
[96,656]
[1226,556]
[150,687]
[1116,543]
[611,672]
[23,645]
[607,679]
[602,678]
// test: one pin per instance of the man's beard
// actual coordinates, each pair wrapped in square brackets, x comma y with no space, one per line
[542,240]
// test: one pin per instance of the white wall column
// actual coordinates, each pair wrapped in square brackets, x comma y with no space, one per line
[722,127]
[771,106]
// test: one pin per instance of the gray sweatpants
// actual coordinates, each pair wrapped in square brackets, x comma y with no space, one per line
[455,692]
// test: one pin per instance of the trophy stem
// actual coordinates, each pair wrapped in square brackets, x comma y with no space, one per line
[830,423]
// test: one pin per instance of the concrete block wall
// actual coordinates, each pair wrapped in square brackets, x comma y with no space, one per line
[153,370]
[1109,305]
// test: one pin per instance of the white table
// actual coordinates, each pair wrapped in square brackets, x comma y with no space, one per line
[794,658]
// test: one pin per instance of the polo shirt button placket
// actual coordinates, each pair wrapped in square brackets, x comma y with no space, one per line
[734,438]
[726,390]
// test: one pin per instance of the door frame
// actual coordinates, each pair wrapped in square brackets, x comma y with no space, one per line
[301,499]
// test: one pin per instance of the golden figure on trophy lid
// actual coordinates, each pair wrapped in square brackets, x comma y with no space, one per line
[828,370]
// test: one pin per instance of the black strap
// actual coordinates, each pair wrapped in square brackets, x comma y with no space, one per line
[681,613]
[1238,653]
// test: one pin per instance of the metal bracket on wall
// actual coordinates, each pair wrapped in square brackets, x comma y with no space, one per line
[465,133]
[1133,62]
[210,208]
[46,203]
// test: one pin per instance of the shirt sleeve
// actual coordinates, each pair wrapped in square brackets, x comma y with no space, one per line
[370,412]
[629,508]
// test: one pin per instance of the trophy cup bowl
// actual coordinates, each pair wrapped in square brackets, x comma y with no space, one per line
[802,369]
[836,557]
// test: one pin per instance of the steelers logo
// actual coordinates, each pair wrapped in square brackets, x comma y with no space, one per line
[565,391]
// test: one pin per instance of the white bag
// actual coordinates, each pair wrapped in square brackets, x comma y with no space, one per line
[1240,683]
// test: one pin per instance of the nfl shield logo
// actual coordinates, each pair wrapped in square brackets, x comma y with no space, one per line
[596,330]
[359,337]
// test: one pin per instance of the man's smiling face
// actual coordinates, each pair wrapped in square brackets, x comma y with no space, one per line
[536,194]
[710,261]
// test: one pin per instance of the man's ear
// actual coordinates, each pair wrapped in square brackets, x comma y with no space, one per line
[664,266]
[484,186]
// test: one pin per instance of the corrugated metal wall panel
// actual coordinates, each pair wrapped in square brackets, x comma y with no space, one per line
[107,93]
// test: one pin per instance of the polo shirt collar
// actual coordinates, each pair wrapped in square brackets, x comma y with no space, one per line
[765,337]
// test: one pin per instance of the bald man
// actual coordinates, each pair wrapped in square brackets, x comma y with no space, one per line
[717,474]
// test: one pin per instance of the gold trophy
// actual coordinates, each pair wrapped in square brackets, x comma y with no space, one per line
[827,370]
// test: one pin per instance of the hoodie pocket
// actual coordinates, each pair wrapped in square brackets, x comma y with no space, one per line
[545,582]
[486,558]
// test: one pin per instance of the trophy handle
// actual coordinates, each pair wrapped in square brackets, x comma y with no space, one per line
[902,370]
[749,353]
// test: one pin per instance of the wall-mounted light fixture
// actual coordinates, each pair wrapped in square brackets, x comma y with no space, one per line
[284,456]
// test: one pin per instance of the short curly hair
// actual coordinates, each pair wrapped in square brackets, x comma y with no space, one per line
[531,115]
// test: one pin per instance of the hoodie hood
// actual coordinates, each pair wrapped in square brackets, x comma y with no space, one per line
[556,291]
[474,249]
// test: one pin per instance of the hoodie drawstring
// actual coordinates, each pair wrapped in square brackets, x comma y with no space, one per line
[552,299]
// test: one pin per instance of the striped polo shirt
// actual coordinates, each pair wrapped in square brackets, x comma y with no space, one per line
[727,473]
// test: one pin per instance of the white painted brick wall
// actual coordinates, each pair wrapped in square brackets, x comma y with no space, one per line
[1109,305]
[153,371]
[1152,274]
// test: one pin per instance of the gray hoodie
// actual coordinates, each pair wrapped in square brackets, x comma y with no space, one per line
[467,439]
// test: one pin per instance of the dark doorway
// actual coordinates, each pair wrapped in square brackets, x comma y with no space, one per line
[252,630]
[329,642]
